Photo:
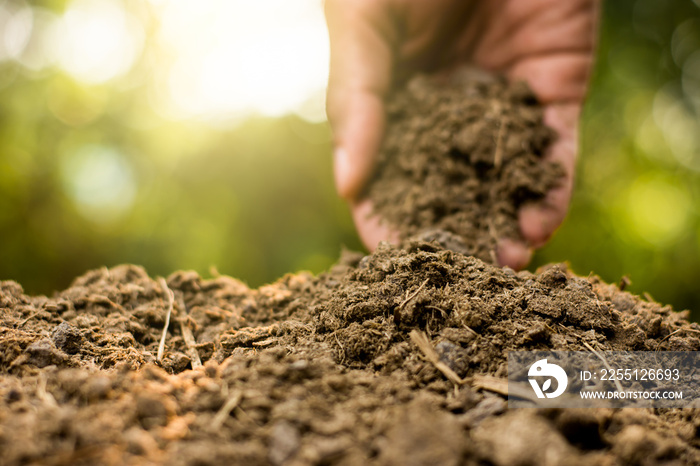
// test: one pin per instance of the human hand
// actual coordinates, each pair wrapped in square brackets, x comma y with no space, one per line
[375,43]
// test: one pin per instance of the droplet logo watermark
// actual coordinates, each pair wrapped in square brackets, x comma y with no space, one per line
[602,379]
[541,369]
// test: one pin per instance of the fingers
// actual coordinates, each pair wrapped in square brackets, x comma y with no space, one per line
[357,138]
[539,220]
[369,226]
[361,36]
[363,46]
[552,51]
[514,254]
[559,81]
[555,78]
[511,253]
[519,30]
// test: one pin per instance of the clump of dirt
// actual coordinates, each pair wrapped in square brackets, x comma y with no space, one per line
[334,369]
[462,154]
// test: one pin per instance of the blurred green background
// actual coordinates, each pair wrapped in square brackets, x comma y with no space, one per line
[185,135]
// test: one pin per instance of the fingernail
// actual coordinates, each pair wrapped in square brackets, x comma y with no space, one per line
[341,168]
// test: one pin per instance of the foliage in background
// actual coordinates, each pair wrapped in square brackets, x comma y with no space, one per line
[92,175]
[636,206]
[95,174]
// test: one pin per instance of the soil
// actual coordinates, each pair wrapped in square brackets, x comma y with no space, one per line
[462,154]
[345,368]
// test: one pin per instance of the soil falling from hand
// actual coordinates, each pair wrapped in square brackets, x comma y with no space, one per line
[462,154]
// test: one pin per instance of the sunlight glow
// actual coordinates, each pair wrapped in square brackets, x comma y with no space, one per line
[98,40]
[235,57]
[214,60]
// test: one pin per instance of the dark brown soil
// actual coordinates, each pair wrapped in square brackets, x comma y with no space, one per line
[462,155]
[323,370]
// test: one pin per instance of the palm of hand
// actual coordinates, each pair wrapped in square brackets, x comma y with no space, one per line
[547,43]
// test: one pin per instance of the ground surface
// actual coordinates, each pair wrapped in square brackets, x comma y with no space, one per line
[462,154]
[336,369]
[391,358]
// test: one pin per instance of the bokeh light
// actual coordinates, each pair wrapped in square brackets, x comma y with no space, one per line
[657,210]
[100,182]
[98,40]
[680,126]
[16,19]
[39,51]
[685,41]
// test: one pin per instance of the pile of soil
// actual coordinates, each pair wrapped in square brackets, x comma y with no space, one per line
[347,367]
[462,154]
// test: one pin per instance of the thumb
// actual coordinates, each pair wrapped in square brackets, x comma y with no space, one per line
[361,34]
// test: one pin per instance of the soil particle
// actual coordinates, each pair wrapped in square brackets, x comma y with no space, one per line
[67,338]
[520,439]
[462,154]
[639,445]
[43,353]
[284,442]
[422,436]
[488,407]
[325,369]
